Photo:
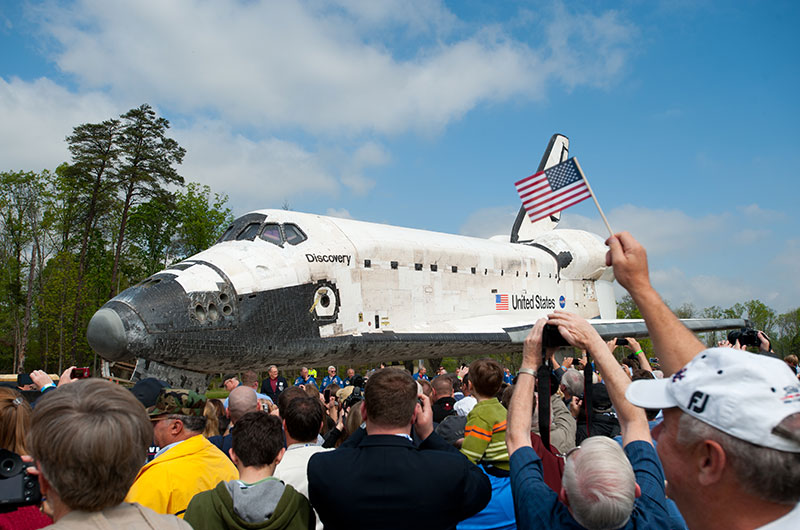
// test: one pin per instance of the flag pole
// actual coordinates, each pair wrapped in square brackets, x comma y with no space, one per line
[610,232]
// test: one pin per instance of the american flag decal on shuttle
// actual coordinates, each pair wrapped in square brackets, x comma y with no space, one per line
[501,302]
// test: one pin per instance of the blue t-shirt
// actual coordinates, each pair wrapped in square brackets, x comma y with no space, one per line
[537,506]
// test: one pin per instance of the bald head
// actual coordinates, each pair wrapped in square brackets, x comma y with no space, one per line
[242,400]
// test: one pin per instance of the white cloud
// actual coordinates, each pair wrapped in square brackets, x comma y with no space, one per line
[254,173]
[488,222]
[339,212]
[661,231]
[761,214]
[36,118]
[369,155]
[703,290]
[320,65]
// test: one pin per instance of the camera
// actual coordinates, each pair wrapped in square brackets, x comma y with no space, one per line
[551,337]
[17,487]
[622,342]
[745,336]
[355,396]
[80,373]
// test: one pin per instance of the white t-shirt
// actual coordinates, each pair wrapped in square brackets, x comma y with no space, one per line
[463,406]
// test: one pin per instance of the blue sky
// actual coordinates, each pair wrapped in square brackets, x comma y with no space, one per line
[422,113]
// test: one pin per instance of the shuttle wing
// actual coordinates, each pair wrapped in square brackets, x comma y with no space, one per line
[609,329]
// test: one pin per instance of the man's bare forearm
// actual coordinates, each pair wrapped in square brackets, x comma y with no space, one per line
[673,343]
[520,411]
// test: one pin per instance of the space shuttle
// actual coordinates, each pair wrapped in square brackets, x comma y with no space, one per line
[289,288]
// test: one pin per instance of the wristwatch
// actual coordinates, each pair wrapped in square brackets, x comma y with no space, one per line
[529,371]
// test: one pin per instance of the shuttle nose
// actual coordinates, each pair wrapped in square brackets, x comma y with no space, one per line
[106,335]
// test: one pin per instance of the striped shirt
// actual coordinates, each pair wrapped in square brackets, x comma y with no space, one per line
[485,434]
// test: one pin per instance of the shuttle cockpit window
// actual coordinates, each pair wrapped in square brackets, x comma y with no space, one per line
[294,236]
[249,232]
[272,234]
[228,235]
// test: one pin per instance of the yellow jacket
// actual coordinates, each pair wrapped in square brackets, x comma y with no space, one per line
[167,483]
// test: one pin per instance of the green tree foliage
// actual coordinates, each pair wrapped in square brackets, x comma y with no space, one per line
[146,165]
[201,219]
[21,245]
[151,231]
[113,215]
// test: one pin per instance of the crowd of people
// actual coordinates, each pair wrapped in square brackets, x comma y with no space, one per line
[709,438]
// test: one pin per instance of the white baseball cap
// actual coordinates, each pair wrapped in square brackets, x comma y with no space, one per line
[740,393]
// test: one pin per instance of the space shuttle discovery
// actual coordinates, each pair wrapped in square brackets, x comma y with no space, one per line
[292,288]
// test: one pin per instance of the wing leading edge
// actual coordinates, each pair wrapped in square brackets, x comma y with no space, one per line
[637,328]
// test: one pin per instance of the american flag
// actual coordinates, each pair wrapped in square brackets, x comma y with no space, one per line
[501,302]
[552,190]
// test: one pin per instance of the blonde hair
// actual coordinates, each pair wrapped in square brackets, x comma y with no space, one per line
[212,420]
[15,420]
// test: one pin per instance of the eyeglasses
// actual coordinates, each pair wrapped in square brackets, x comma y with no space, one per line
[566,455]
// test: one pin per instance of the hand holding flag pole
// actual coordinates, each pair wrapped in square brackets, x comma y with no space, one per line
[556,189]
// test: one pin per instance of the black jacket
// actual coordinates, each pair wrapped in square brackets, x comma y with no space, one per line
[389,483]
[266,388]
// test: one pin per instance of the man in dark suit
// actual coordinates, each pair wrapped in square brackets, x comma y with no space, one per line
[273,385]
[387,481]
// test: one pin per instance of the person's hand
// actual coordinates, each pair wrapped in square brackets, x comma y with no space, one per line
[66,377]
[341,419]
[462,371]
[633,344]
[575,406]
[765,345]
[611,345]
[567,364]
[532,347]
[582,361]
[41,379]
[724,344]
[576,330]
[552,356]
[424,420]
[629,260]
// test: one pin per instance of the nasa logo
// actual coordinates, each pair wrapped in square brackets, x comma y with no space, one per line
[562,301]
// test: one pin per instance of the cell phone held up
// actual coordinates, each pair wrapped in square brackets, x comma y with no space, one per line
[80,373]
[622,342]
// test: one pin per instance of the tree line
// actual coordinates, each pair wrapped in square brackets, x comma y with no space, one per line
[72,238]
[783,329]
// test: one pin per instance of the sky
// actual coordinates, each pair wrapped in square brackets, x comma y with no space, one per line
[423,113]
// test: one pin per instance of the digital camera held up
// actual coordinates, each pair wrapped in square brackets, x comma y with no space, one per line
[17,487]
[745,336]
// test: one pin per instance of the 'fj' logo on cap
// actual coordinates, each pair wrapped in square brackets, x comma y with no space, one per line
[698,402]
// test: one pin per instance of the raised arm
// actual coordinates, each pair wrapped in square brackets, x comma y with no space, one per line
[520,410]
[579,333]
[636,348]
[673,342]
